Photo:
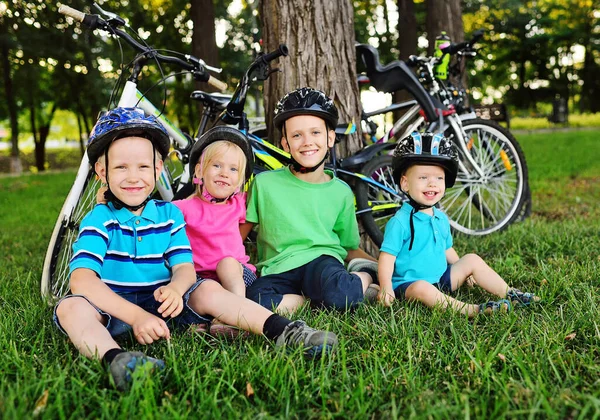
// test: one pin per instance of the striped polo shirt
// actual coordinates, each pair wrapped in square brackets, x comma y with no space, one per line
[132,253]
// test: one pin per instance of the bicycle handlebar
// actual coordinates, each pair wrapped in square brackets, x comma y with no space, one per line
[193,64]
[454,48]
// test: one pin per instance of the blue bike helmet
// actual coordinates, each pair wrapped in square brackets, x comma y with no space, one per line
[426,149]
[224,133]
[124,122]
[306,101]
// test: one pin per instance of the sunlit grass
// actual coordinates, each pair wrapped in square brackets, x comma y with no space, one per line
[404,361]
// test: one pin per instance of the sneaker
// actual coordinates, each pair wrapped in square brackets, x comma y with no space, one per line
[364,265]
[124,364]
[490,307]
[314,342]
[519,298]
[371,293]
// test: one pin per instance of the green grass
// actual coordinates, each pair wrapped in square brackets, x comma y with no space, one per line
[404,361]
[574,120]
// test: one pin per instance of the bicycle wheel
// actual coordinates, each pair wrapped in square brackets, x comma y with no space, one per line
[375,205]
[81,199]
[486,203]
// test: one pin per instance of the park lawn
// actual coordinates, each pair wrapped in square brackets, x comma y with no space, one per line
[403,361]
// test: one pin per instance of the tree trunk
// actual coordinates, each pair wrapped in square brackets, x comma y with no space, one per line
[40,142]
[444,15]
[320,38]
[204,44]
[407,41]
[15,161]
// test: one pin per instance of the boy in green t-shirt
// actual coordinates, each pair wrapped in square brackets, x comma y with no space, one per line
[306,223]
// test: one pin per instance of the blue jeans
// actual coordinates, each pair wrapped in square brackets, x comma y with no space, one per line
[146,301]
[325,281]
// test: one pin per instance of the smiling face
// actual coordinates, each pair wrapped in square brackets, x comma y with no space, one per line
[221,169]
[131,171]
[424,183]
[307,139]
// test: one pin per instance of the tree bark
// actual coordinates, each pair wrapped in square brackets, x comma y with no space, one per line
[204,44]
[444,15]
[15,161]
[320,38]
[407,41]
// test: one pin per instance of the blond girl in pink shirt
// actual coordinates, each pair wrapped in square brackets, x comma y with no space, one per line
[220,162]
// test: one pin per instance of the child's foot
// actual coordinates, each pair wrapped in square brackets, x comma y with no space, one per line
[490,307]
[314,342]
[124,364]
[364,265]
[519,298]
[371,293]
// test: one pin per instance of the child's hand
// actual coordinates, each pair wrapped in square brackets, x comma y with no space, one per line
[149,328]
[385,298]
[100,195]
[172,302]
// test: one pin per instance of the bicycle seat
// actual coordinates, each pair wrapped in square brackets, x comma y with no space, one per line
[213,100]
[393,77]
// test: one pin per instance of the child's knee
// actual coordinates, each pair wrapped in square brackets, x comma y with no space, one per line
[418,290]
[204,294]
[227,262]
[73,307]
[473,260]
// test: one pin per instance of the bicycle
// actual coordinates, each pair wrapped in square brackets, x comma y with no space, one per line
[82,196]
[491,187]
[175,181]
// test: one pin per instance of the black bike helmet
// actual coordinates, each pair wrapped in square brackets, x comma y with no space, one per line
[426,149]
[223,133]
[125,122]
[306,101]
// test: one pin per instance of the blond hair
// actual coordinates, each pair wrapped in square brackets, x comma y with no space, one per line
[219,148]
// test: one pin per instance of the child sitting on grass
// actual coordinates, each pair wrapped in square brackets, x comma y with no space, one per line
[305,215]
[132,270]
[220,163]
[417,260]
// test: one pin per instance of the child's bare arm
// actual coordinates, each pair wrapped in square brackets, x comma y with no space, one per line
[358,253]
[146,327]
[171,295]
[245,229]
[385,271]
[451,256]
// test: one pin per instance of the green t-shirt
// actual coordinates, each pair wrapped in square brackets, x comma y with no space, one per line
[299,221]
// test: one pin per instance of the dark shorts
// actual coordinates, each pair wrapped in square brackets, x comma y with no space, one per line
[146,301]
[443,285]
[325,281]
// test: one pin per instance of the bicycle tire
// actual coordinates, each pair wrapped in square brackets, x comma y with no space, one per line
[55,275]
[482,205]
[377,206]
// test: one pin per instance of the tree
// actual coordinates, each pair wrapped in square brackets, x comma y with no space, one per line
[444,15]
[320,38]
[7,46]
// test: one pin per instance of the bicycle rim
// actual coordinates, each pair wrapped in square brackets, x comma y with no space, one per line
[55,278]
[375,205]
[480,205]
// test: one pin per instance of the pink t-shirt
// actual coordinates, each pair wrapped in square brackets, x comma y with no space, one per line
[214,232]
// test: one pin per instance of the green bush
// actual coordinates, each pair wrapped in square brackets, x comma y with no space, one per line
[63,158]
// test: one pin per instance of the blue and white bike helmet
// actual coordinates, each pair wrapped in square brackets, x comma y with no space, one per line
[125,122]
[426,149]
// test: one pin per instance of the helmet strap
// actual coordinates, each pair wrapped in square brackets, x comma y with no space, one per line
[415,208]
[208,196]
[303,169]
